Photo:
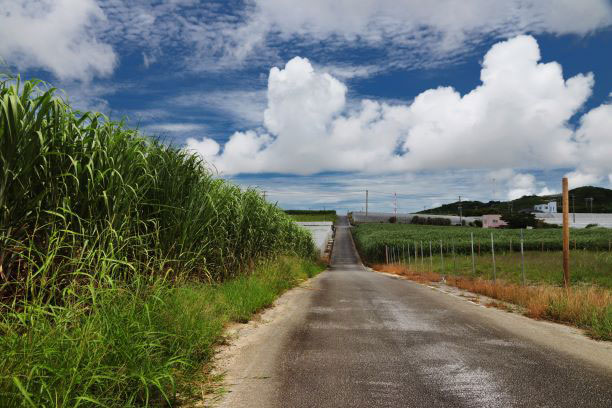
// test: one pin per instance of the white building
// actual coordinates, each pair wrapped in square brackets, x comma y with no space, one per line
[551,207]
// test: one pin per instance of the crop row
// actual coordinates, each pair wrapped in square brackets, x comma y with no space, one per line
[371,239]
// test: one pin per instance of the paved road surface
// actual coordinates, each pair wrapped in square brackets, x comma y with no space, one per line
[366,339]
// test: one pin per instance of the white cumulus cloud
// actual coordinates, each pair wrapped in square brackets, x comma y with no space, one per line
[594,137]
[55,35]
[517,118]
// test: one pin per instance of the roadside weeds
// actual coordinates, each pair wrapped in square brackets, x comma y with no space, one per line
[589,308]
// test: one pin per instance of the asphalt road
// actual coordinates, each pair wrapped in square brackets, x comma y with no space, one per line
[364,339]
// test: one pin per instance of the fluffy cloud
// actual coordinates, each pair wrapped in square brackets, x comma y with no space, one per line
[73,38]
[594,147]
[517,118]
[420,33]
[518,184]
[55,35]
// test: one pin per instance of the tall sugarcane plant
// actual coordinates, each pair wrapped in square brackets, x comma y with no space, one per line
[84,198]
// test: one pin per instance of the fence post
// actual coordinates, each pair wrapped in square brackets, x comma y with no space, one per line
[422,261]
[408,252]
[386,254]
[473,260]
[493,255]
[430,258]
[522,259]
[442,257]
[454,259]
[416,256]
[566,233]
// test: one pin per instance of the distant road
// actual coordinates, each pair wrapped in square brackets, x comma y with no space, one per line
[364,339]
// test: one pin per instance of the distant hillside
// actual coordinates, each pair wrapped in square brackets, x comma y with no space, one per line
[602,203]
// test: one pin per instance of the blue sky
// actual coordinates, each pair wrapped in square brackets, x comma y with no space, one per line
[315,102]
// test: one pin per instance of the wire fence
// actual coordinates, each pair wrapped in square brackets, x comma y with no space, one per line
[509,260]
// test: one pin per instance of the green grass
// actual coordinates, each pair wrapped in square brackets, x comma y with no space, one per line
[314,217]
[587,267]
[82,196]
[121,258]
[130,346]
[371,239]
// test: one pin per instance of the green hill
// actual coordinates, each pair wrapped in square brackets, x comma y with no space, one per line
[579,202]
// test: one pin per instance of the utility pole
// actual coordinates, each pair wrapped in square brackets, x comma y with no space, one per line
[494,188]
[590,200]
[460,212]
[566,234]
[395,204]
[264,195]
[366,203]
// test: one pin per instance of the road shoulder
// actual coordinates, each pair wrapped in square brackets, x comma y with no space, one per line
[245,362]
[561,338]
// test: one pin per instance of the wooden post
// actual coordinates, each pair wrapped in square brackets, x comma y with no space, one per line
[408,252]
[442,256]
[566,234]
[386,254]
[473,261]
[493,255]
[522,259]
[454,259]
[422,261]
[430,258]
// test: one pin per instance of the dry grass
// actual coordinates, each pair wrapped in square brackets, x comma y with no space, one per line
[423,277]
[586,307]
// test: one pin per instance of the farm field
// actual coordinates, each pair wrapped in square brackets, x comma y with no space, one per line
[122,258]
[372,238]
[587,267]
[312,216]
[591,261]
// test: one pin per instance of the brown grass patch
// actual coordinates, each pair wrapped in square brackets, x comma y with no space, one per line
[586,307]
[401,270]
[499,305]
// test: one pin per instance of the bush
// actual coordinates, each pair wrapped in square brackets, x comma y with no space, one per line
[392,220]
[520,220]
